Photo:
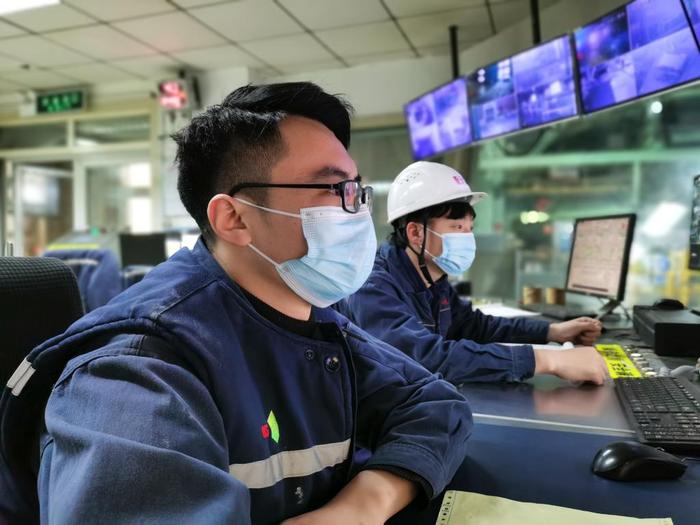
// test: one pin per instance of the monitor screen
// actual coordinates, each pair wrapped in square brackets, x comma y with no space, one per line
[692,7]
[641,48]
[492,100]
[544,83]
[142,249]
[600,255]
[695,227]
[439,120]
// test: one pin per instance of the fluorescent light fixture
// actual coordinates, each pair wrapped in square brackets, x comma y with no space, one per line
[663,219]
[14,6]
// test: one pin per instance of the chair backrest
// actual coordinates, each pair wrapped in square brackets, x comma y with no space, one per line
[39,299]
[97,271]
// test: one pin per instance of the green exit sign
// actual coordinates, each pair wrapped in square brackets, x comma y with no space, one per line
[60,101]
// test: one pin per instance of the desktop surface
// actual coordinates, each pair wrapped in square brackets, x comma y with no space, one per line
[545,466]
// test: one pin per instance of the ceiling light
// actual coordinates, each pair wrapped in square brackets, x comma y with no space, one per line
[14,6]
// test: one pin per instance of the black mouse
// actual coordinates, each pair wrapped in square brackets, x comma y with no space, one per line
[632,461]
[668,304]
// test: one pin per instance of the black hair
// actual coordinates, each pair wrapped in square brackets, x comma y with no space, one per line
[457,209]
[239,140]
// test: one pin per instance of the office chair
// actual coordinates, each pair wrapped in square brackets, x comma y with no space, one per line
[39,299]
[97,271]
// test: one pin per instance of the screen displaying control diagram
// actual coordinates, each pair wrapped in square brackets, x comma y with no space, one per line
[599,256]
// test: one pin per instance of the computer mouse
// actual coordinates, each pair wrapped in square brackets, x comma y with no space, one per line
[632,461]
[669,304]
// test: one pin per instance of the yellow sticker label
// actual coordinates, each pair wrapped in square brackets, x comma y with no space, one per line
[619,365]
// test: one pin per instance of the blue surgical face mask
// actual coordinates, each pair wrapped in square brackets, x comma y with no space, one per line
[458,252]
[340,257]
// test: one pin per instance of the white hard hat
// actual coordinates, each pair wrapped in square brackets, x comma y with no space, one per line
[424,184]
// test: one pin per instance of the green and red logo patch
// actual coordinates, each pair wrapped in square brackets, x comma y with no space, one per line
[271,429]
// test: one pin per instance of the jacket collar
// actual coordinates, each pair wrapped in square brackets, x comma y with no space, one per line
[206,259]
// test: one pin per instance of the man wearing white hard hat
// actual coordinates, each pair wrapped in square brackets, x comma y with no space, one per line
[408,302]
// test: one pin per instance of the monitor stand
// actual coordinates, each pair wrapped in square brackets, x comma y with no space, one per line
[609,308]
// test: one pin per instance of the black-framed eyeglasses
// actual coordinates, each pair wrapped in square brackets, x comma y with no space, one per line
[352,193]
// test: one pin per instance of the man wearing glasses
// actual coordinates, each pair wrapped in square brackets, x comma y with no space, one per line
[221,389]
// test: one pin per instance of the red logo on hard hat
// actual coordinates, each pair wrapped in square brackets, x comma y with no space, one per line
[458,179]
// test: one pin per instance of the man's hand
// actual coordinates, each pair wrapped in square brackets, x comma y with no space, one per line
[583,331]
[582,363]
[371,498]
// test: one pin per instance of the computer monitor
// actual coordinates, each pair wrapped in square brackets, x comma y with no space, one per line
[438,121]
[544,83]
[599,257]
[694,263]
[641,48]
[692,9]
[493,102]
[142,249]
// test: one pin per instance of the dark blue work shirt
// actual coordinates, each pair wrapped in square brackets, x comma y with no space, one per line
[178,402]
[437,328]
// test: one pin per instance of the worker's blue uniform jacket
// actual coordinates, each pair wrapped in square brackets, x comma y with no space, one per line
[180,403]
[437,328]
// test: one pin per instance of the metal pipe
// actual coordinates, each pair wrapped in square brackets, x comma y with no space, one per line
[454,51]
[535,15]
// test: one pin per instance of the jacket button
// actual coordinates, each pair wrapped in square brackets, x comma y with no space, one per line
[332,363]
[309,354]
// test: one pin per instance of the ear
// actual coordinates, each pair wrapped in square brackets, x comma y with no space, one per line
[414,234]
[226,221]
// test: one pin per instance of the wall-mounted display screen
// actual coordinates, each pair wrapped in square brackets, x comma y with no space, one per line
[641,48]
[544,83]
[492,100]
[692,7]
[439,120]
[530,89]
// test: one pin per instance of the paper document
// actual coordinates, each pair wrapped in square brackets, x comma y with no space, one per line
[500,310]
[469,508]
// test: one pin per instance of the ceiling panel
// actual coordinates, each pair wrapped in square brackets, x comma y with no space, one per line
[181,32]
[432,30]
[96,73]
[310,66]
[444,49]
[289,50]
[37,51]
[508,13]
[110,10]
[248,20]
[217,57]
[7,63]
[379,57]
[402,8]
[196,3]
[50,17]
[39,79]
[336,13]
[157,66]
[9,30]
[101,42]
[361,40]
[8,87]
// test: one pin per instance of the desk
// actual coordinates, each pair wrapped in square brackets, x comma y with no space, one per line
[547,466]
[535,442]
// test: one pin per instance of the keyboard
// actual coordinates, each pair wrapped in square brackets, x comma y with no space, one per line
[559,311]
[663,411]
